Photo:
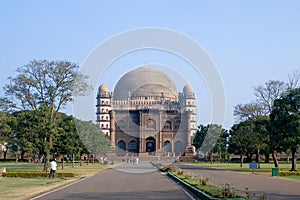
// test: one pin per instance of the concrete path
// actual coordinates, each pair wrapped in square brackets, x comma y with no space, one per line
[274,187]
[126,181]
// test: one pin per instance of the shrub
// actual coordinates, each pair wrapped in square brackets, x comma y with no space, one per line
[228,192]
[203,181]
[36,174]
[288,173]
[180,172]
[189,175]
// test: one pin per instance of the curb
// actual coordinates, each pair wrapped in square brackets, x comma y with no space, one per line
[198,193]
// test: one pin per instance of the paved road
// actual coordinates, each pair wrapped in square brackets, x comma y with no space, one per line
[125,182]
[274,187]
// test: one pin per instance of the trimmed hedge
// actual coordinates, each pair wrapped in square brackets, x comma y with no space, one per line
[289,173]
[36,174]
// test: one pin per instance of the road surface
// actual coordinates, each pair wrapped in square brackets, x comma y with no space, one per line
[126,181]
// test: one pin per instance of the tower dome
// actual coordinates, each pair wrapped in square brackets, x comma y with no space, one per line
[103,88]
[188,91]
[144,82]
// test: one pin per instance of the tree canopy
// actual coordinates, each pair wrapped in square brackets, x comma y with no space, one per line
[44,85]
[285,122]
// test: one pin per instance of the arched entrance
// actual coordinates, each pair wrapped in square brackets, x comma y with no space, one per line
[178,148]
[150,145]
[167,146]
[133,147]
[121,148]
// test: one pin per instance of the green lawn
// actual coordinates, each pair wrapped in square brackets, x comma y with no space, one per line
[17,188]
[296,178]
[265,168]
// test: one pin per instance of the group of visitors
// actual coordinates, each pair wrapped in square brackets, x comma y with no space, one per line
[134,161]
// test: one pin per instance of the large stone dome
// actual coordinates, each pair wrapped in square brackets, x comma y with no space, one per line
[143,82]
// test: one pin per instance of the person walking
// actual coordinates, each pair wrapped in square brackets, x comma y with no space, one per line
[53,166]
[137,160]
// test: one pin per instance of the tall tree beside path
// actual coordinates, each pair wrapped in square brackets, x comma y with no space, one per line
[43,83]
[92,137]
[285,122]
[242,140]
[211,138]
[263,105]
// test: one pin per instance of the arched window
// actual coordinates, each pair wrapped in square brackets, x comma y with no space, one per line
[168,125]
[150,124]
[177,124]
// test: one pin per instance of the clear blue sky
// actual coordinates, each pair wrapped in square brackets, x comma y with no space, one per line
[250,42]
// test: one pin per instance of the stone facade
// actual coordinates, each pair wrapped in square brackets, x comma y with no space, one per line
[146,115]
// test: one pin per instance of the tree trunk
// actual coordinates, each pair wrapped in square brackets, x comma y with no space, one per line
[210,157]
[80,158]
[16,158]
[275,160]
[46,163]
[228,158]
[63,162]
[294,160]
[267,158]
[73,160]
[258,158]
[4,155]
[241,160]
[22,155]
[288,157]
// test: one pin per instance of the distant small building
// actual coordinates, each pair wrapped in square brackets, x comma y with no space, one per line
[146,115]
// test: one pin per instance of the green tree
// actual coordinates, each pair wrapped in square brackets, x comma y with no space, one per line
[199,136]
[67,140]
[210,138]
[261,136]
[31,129]
[42,83]
[242,140]
[285,122]
[93,139]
